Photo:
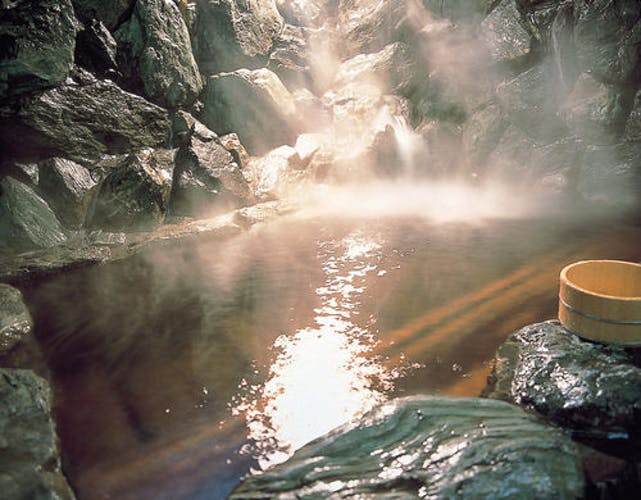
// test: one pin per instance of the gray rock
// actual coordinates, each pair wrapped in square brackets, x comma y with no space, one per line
[531,102]
[305,12]
[591,388]
[156,48]
[458,10]
[15,320]
[26,221]
[96,49]
[563,48]
[608,38]
[538,17]
[82,122]
[30,457]
[37,41]
[596,112]
[235,34]
[254,104]
[207,180]
[112,13]
[289,57]
[505,35]
[429,447]
[632,130]
[611,176]
[135,194]
[482,133]
[66,185]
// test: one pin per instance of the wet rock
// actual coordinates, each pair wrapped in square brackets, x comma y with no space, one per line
[96,49]
[26,221]
[207,180]
[608,39]
[276,173]
[563,47]
[538,17]
[482,133]
[289,57]
[255,105]
[231,142]
[505,35]
[591,388]
[66,185]
[30,456]
[393,69]
[429,447]
[595,111]
[111,13]
[82,122]
[234,34]
[37,41]
[632,130]
[611,175]
[531,102]
[15,320]
[156,49]
[305,12]
[135,194]
[457,10]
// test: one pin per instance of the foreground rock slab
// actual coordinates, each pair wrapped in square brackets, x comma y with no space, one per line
[592,388]
[29,448]
[433,448]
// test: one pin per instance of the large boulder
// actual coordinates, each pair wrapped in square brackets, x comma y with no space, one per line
[591,388]
[30,457]
[207,179]
[15,320]
[275,174]
[134,196]
[289,57]
[37,41]
[82,121]
[505,35]
[66,185]
[112,13]
[254,104]
[26,221]
[429,447]
[482,133]
[235,34]
[156,50]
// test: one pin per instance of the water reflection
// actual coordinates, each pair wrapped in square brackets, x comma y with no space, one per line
[325,374]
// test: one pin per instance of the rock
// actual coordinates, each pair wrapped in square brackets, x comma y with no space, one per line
[393,69]
[591,388]
[111,13]
[458,10]
[611,176]
[207,180]
[632,130]
[607,35]
[26,221]
[254,104]
[96,49]
[429,447]
[37,41]
[15,320]
[596,112]
[275,174]
[156,49]
[289,57]
[505,35]
[66,185]
[232,143]
[562,46]
[233,34]
[135,195]
[82,122]
[538,17]
[531,102]
[30,457]
[305,12]
[482,133]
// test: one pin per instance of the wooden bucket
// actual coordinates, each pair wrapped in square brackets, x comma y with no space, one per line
[600,300]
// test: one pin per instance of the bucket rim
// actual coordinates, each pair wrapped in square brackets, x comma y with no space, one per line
[564,278]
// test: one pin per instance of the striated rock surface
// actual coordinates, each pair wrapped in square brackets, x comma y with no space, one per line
[26,221]
[82,121]
[15,320]
[37,40]
[29,445]
[592,388]
[429,447]
[156,50]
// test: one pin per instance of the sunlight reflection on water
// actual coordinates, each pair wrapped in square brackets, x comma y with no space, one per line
[325,374]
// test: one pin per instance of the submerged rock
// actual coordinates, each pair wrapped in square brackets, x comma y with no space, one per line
[82,122]
[37,40]
[26,221]
[156,50]
[15,320]
[135,194]
[254,104]
[433,448]
[30,457]
[592,388]
[235,34]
